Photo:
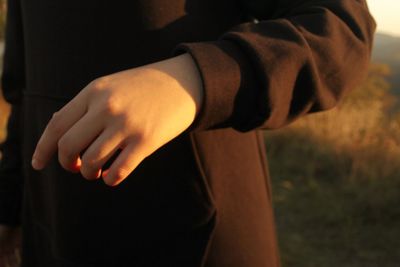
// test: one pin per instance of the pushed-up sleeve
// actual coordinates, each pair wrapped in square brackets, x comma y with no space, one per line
[302,58]
[12,84]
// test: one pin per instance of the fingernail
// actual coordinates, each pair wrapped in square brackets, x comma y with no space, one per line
[36,164]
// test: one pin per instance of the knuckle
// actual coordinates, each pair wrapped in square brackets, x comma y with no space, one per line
[98,84]
[110,106]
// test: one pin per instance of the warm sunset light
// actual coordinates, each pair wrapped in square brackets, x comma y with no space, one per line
[386,13]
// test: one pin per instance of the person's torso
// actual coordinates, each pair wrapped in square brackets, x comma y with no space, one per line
[70,43]
[67,45]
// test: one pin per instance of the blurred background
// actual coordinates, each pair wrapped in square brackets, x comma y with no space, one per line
[336,174]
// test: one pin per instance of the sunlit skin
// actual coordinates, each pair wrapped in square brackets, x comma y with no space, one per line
[137,110]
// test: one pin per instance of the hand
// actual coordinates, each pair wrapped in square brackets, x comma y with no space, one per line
[10,241]
[137,110]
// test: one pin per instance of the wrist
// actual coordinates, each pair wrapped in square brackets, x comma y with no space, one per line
[191,79]
[185,76]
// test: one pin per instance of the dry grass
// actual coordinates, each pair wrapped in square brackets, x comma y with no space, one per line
[337,183]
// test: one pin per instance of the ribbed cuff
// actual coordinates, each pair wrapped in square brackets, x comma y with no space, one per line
[228,81]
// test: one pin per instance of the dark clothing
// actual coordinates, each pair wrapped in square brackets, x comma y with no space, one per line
[204,198]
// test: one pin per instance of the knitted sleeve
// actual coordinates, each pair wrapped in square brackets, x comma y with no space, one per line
[301,58]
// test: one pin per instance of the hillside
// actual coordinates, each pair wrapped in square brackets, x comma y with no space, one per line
[387,50]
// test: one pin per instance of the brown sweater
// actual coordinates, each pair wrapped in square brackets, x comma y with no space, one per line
[204,198]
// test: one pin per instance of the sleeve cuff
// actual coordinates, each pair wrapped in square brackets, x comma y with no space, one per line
[228,83]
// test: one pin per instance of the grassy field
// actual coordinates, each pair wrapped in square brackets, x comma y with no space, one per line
[336,182]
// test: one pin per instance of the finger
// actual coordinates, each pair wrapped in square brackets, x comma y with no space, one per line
[78,138]
[99,152]
[126,162]
[60,122]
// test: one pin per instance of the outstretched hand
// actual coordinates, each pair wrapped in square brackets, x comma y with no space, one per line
[137,110]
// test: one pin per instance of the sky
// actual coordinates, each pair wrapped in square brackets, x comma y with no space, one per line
[387,15]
